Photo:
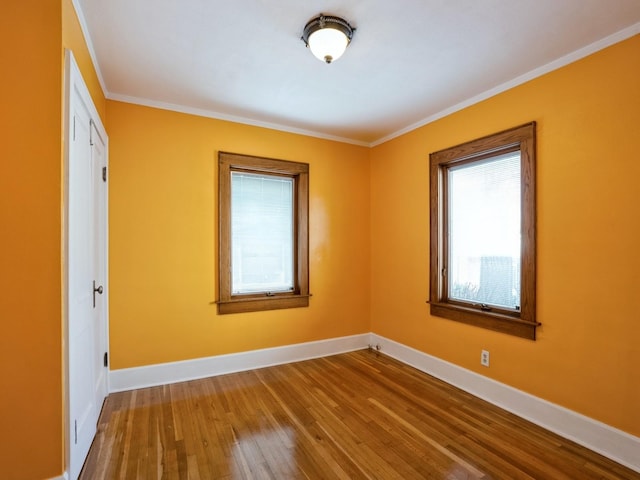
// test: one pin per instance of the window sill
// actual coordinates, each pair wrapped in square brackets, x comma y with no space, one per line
[490,320]
[255,304]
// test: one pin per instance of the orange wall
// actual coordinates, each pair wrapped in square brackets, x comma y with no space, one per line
[163,234]
[587,356]
[30,219]
[32,402]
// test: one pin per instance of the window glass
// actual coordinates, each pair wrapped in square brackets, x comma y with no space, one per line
[262,233]
[484,231]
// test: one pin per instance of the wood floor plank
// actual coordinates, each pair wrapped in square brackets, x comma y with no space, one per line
[359,415]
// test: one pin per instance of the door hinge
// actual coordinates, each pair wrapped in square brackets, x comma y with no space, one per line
[104,174]
[75,432]
[106,359]
[91,133]
[74,128]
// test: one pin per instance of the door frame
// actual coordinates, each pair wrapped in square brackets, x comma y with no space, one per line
[74,82]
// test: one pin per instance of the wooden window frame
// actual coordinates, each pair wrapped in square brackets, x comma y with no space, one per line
[522,322]
[299,172]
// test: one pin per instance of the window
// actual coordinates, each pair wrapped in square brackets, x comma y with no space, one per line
[482,253]
[263,242]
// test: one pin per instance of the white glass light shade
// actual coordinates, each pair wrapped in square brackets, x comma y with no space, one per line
[327,37]
[328,44]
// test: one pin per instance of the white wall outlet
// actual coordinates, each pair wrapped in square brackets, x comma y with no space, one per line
[484,358]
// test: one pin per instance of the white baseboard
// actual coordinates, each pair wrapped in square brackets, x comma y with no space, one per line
[165,373]
[597,436]
[64,476]
[615,444]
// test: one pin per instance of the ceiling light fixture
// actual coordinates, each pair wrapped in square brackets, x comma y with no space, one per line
[327,37]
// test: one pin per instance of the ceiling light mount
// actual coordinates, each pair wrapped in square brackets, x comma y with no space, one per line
[327,37]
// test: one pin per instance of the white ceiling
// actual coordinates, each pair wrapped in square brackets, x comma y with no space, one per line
[410,61]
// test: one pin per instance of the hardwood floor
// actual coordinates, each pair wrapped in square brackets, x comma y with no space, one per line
[359,415]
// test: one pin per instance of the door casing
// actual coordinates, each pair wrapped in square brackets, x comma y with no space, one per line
[76,90]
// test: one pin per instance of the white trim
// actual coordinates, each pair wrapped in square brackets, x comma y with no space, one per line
[535,73]
[74,82]
[87,39]
[64,476]
[615,444]
[192,110]
[165,373]
[201,112]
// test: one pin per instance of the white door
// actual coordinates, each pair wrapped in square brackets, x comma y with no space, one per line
[99,162]
[86,270]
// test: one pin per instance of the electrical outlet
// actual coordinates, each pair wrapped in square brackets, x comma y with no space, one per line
[484,358]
